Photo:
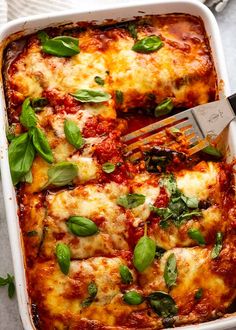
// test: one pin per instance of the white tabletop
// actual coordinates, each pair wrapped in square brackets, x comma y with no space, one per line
[9,317]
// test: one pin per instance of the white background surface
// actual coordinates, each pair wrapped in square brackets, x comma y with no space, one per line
[9,318]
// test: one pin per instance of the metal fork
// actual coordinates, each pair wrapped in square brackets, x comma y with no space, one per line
[198,124]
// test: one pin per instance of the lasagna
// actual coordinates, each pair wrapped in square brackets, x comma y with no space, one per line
[112,243]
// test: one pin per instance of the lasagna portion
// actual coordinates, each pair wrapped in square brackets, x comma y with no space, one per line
[111,242]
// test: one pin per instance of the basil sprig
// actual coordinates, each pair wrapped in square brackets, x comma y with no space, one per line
[99,80]
[196,235]
[170,272]
[9,280]
[133,298]
[41,144]
[27,117]
[92,291]
[108,167]
[148,44]
[86,95]
[125,274]
[73,134]
[212,151]
[218,245]
[63,257]
[180,208]
[162,304]
[61,174]
[144,253]
[163,108]
[21,154]
[81,226]
[61,46]
[131,201]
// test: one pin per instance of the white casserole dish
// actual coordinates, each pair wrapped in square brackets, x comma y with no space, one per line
[116,12]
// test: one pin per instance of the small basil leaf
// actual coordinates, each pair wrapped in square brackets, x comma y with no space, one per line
[163,304]
[11,289]
[39,103]
[119,96]
[198,294]
[133,298]
[144,253]
[108,167]
[32,233]
[99,80]
[163,213]
[164,108]
[131,201]
[28,118]
[87,302]
[170,272]
[191,202]
[62,46]
[63,257]
[81,226]
[125,274]
[43,36]
[92,289]
[189,215]
[41,144]
[21,155]
[218,245]
[85,95]
[159,252]
[169,182]
[133,31]
[175,130]
[196,235]
[62,174]
[73,134]
[212,151]
[28,177]
[148,44]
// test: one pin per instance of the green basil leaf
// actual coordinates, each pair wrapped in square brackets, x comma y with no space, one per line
[43,36]
[81,226]
[28,118]
[131,201]
[39,103]
[169,182]
[175,130]
[198,294]
[32,233]
[99,80]
[108,167]
[28,177]
[148,44]
[218,245]
[11,289]
[73,134]
[164,108]
[62,46]
[189,215]
[196,235]
[132,30]
[144,253]
[133,298]
[164,213]
[212,151]
[162,304]
[62,174]
[170,272]
[21,155]
[41,144]
[63,257]
[191,202]
[92,289]
[86,95]
[125,274]
[119,96]
[87,302]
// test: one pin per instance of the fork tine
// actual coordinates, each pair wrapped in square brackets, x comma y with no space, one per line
[146,140]
[201,144]
[148,129]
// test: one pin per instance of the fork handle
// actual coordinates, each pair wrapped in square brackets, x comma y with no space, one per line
[232,101]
